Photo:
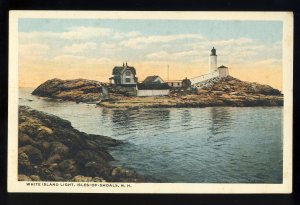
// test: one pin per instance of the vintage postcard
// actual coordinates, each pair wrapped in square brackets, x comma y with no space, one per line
[150,102]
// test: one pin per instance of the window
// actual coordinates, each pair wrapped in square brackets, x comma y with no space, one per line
[128,73]
[127,80]
[172,84]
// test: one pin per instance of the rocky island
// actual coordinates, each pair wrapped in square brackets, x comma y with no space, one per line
[50,149]
[78,90]
[227,91]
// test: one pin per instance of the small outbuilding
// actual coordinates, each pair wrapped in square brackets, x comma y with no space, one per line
[152,89]
[223,71]
[175,83]
[186,83]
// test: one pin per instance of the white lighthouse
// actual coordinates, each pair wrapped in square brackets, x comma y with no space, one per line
[213,61]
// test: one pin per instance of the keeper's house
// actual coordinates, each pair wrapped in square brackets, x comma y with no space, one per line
[123,76]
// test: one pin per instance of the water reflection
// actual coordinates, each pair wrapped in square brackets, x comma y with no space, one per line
[134,120]
[122,118]
[220,120]
[105,116]
[186,116]
[161,117]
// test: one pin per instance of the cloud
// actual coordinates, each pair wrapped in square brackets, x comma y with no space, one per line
[230,51]
[34,49]
[82,33]
[68,58]
[79,47]
[120,35]
[71,33]
[33,36]
[238,41]
[103,61]
[176,56]
[142,41]
[158,55]
[206,43]
[79,61]
[240,50]
[33,52]
[109,46]
[268,62]
[136,40]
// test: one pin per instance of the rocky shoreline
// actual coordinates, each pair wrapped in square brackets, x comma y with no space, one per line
[194,101]
[50,149]
[227,91]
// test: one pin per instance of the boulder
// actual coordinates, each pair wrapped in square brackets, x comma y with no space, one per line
[35,178]
[44,132]
[98,179]
[24,163]
[93,155]
[123,174]
[24,139]
[22,177]
[68,166]
[53,159]
[201,91]
[262,89]
[34,154]
[96,169]
[80,178]
[226,96]
[217,92]
[58,148]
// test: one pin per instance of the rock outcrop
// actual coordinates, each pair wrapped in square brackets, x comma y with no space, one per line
[50,149]
[78,90]
[235,86]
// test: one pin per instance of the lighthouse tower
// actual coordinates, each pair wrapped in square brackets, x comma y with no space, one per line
[213,61]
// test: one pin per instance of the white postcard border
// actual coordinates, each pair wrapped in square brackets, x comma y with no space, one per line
[93,187]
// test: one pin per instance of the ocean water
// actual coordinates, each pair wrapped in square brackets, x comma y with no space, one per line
[189,145]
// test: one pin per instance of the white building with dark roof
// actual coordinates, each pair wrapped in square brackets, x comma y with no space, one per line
[152,89]
[123,75]
[152,86]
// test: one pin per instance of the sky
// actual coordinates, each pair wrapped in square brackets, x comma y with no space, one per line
[90,48]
